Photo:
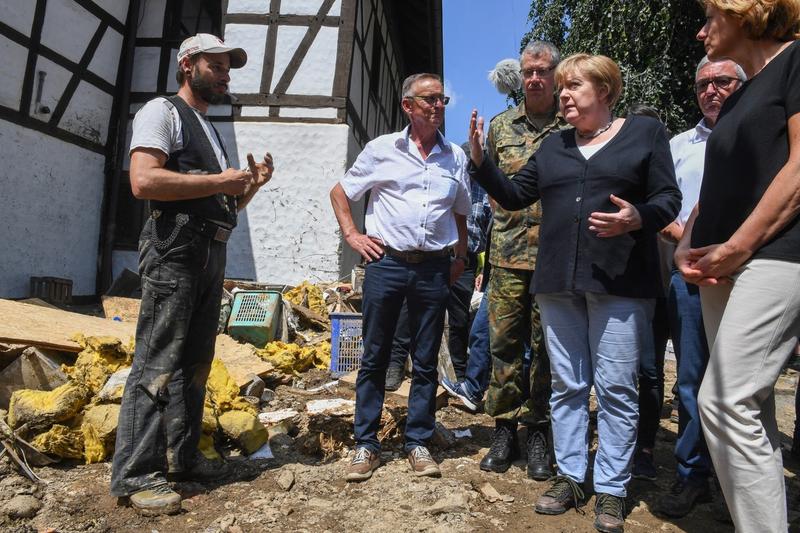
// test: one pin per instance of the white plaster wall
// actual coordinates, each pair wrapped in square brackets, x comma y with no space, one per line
[250,37]
[107,56]
[316,72]
[117,8]
[310,112]
[51,218]
[122,259]
[18,15]
[151,18]
[248,6]
[68,28]
[288,232]
[145,69]
[308,7]
[12,72]
[288,40]
[54,84]
[88,113]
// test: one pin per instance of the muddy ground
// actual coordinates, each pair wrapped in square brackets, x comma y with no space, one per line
[299,491]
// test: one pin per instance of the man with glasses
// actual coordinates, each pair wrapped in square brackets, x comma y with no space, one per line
[415,247]
[514,397]
[714,82]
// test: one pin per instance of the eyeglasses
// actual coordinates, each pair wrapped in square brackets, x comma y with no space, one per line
[433,99]
[719,82]
[541,72]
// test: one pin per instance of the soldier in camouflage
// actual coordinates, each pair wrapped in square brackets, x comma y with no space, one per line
[513,137]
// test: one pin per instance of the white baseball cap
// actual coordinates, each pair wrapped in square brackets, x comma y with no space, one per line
[205,42]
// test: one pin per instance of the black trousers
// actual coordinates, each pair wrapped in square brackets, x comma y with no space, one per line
[458,324]
[162,407]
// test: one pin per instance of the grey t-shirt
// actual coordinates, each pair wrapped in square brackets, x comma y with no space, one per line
[158,125]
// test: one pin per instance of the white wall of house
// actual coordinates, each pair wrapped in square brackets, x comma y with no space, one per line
[53,188]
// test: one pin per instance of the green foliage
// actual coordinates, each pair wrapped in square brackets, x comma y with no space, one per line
[653,42]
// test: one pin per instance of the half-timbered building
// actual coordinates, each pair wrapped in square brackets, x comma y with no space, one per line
[323,78]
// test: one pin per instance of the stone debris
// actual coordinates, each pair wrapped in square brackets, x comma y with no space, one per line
[22,506]
[457,502]
[332,407]
[285,480]
[491,495]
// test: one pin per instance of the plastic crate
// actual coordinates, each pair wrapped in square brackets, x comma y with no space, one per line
[255,316]
[347,345]
[53,290]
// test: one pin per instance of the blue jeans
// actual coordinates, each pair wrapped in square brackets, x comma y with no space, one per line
[479,364]
[691,352]
[595,339]
[424,286]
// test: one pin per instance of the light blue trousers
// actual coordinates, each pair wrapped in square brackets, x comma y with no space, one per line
[595,339]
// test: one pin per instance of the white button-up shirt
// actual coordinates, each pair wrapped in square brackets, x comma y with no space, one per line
[689,155]
[412,200]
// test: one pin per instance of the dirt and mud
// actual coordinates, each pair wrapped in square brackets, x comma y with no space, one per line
[301,490]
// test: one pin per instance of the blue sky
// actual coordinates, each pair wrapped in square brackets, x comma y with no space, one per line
[478,34]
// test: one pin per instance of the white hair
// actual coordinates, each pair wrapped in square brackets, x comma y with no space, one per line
[505,76]
[739,70]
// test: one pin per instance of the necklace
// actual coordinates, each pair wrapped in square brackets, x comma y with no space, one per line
[596,133]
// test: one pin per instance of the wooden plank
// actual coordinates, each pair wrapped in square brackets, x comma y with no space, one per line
[398,397]
[32,325]
[127,309]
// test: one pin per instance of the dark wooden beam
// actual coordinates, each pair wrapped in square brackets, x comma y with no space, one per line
[104,16]
[344,50]
[270,48]
[297,58]
[83,65]
[33,51]
[281,20]
[26,121]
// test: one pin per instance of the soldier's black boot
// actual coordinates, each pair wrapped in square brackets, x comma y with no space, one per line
[540,461]
[504,449]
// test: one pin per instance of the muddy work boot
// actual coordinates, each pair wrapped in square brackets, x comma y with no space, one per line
[364,462]
[540,464]
[609,513]
[682,497]
[394,377]
[422,464]
[564,493]
[504,449]
[203,470]
[156,500]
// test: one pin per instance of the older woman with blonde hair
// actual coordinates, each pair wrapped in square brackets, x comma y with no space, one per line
[607,186]
[742,246]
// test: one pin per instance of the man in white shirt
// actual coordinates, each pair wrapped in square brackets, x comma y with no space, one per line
[179,164]
[714,82]
[415,246]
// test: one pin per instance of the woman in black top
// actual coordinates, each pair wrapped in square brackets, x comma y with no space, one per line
[606,186]
[742,246]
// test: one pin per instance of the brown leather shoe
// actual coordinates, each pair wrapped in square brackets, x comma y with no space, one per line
[609,513]
[422,464]
[563,494]
[364,462]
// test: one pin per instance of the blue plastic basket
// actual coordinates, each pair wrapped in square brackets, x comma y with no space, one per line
[347,346]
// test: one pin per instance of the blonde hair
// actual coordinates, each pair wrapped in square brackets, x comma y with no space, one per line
[763,19]
[602,71]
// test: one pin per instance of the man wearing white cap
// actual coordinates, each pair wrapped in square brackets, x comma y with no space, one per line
[179,163]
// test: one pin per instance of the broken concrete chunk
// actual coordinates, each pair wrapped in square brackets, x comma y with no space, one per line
[275,417]
[491,495]
[35,369]
[286,480]
[22,507]
[452,503]
[331,407]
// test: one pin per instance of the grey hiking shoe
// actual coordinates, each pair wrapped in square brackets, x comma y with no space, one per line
[156,500]
[563,494]
[609,513]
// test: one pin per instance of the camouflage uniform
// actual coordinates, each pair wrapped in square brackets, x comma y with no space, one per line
[513,314]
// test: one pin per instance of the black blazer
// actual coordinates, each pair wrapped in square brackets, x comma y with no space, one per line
[635,165]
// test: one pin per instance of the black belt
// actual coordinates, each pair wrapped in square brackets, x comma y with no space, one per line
[197,224]
[418,256]
[208,229]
